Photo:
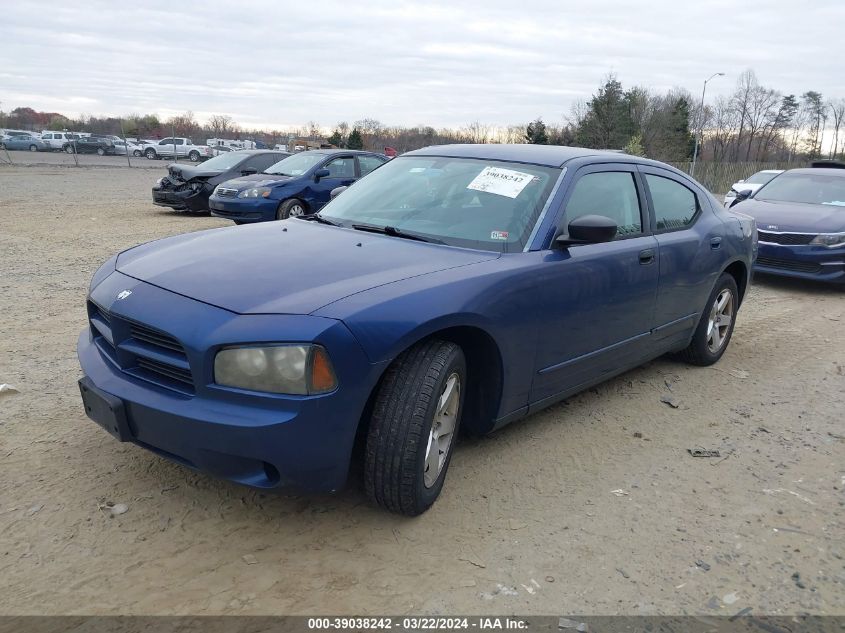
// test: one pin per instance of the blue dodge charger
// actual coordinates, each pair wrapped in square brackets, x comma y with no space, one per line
[800,218]
[456,287]
[298,185]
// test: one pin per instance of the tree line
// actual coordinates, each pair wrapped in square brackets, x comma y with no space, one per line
[753,123]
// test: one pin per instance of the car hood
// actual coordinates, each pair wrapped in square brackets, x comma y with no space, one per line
[287,267]
[745,186]
[186,172]
[794,217]
[257,180]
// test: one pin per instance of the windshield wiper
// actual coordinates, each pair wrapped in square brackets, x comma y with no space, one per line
[394,232]
[316,217]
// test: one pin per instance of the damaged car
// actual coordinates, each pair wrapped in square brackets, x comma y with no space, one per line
[188,187]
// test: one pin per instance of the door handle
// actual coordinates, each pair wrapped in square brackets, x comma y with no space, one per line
[647,256]
[716,243]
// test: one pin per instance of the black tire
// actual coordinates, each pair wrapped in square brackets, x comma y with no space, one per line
[400,424]
[137,153]
[296,206]
[33,148]
[700,352]
[68,149]
[101,151]
[239,222]
[150,154]
[194,156]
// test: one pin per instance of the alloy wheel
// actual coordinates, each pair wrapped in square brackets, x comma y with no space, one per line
[442,429]
[721,317]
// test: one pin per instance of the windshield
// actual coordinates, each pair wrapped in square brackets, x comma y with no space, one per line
[223,161]
[805,187]
[295,165]
[760,178]
[491,205]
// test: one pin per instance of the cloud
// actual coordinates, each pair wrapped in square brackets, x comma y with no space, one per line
[439,63]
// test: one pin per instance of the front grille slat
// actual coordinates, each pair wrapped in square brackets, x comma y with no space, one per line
[142,351]
[225,192]
[155,338]
[787,239]
[789,264]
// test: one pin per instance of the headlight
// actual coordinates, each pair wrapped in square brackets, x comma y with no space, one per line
[258,192]
[831,240]
[290,369]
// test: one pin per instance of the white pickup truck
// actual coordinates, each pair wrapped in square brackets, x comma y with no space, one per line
[177,148]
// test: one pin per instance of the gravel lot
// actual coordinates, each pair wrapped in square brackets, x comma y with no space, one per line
[592,507]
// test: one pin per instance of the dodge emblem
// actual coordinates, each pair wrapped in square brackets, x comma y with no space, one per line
[123,294]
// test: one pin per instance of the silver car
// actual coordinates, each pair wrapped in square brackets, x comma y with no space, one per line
[31,143]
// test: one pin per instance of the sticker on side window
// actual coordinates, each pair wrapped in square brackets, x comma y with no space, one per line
[502,182]
[498,235]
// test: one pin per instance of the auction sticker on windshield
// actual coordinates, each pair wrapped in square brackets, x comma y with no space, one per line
[502,182]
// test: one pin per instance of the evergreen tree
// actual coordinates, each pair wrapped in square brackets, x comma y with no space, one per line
[607,123]
[355,141]
[535,133]
[635,145]
[336,139]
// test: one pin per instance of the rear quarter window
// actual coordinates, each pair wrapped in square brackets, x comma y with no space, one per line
[675,205]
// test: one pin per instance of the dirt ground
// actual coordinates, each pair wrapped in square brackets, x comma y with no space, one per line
[592,507]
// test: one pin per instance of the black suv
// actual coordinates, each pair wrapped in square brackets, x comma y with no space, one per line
[94,144]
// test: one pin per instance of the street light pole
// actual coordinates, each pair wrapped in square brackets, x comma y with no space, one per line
[700,131]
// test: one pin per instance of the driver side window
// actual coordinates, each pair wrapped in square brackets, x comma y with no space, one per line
[342,167]
[612,194]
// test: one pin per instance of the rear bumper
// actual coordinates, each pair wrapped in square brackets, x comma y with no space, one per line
[801,262]
[244,210]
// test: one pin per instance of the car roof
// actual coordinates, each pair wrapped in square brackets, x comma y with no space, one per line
[548,155]
[809,171]
[329,152]
[259,151]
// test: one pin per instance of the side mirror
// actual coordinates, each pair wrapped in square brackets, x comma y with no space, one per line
[739,181]
[588,229]
[337,191]
[248,172]
[745,194]
[321,173]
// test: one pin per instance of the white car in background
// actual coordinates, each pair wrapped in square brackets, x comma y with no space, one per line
[121,147]
[752,183]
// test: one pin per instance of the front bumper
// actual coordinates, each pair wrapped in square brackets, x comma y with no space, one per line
[261,440]
[244,209]
[801,262]
[193,200]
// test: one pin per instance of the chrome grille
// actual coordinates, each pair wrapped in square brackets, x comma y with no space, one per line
[227,192]
[788,239]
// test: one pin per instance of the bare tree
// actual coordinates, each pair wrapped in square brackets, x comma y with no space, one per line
[837,112]
[221,125]
[476,132]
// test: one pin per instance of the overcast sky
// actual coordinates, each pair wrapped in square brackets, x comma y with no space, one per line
[279,63]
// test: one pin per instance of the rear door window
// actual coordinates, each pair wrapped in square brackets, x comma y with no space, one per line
[675,206]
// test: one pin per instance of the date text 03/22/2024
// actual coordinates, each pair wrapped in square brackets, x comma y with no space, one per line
[418,623]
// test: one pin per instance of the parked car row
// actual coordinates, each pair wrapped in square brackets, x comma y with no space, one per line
[261,185]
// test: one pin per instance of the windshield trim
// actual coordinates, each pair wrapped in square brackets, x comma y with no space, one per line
[545,210]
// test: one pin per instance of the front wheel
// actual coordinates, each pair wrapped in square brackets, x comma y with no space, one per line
[150,154]
[292,208]
[194,157]
[69,149]
[33,148]
[716,326]
[415,420]
[137,153]
[101,151]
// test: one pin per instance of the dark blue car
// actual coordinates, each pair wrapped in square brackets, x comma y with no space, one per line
[463,286]
[801,224]
[298,185]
